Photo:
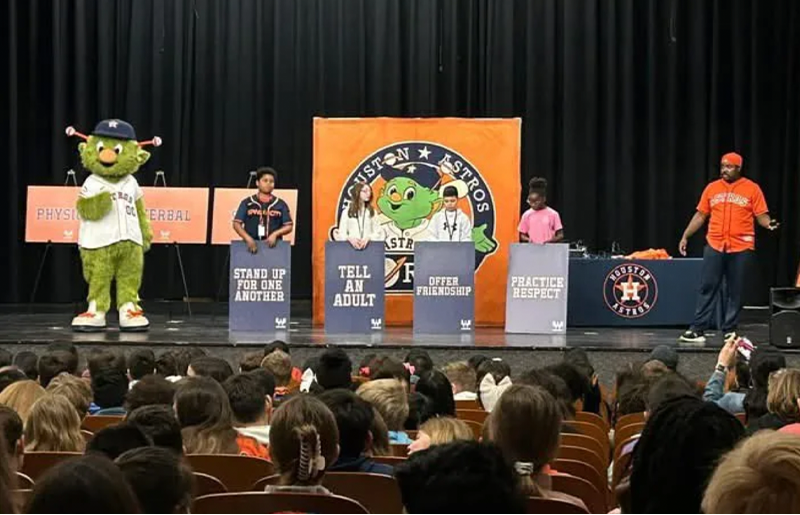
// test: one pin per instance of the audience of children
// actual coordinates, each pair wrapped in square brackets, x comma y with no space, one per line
[184,402]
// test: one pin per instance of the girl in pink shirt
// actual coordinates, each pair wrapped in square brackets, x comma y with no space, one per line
[540,224]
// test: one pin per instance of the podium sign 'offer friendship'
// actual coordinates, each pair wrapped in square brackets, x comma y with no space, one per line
[444,287]
[260,288]
[354,291]
[536,292]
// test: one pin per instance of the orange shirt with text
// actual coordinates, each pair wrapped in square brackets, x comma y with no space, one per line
[730,208]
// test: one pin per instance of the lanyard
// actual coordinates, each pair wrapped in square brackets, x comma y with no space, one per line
[362,221]
[265,223]
[451,229]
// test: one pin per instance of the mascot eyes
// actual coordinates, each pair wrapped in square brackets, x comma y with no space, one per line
[100,146]
[392,190]
[118,148]
[410,193]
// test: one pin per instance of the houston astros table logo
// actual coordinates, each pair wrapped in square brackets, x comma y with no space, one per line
[630,290]
[407,179]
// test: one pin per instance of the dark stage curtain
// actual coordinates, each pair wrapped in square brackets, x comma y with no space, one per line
[626,105]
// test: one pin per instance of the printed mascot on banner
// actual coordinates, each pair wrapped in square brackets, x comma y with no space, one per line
[115,232]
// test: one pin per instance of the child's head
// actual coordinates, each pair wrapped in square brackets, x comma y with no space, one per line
[389,397]
[450,196]
[360,196]
[537,193]
[53,425]
[519,409]
[303,440]
[204,413]
[265,179]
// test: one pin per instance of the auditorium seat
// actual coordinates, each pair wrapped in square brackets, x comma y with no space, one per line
[593,418]
[585,455]
[476,415]
[540,505]
[94,423]
[262,502]
[237,473]
[626,432]
[205,484]
[630,418]
[583,471]
[471,405]
[595,501]
[585,442]
[595,433]
[262,483]
[36,463]
[376,492]
[398,449]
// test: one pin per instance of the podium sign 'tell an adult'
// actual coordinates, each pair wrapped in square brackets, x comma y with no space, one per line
[354,288]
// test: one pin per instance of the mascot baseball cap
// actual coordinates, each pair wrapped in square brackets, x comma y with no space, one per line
[732,158]
[117,129]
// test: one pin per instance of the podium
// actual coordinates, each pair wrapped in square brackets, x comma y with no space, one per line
[444,287]
[536,291]
[260,288]
[354,288]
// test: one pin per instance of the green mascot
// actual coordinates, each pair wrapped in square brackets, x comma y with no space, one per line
[114,232]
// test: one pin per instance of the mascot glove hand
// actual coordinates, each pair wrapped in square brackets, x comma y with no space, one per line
[483,243]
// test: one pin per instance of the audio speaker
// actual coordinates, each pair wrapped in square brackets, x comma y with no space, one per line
[784,320]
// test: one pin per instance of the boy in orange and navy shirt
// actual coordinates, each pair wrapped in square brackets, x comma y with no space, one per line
[729,204]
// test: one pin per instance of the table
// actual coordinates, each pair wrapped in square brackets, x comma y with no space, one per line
[635,293]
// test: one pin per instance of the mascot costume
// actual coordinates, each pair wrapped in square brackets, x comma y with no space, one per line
[115,232]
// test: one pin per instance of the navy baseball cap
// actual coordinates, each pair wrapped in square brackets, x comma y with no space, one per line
[425,174]
[117,129]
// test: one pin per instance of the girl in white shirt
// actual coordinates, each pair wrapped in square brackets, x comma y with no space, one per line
[359,224]
[450,223]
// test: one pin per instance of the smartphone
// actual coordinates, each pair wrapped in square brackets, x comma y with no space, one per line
[745,347]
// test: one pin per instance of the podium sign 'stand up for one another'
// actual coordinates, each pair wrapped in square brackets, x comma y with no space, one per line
[354,291]
[536,293]
[444,288]
[260,288]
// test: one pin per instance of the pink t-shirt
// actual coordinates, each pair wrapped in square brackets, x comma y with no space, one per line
[540,226]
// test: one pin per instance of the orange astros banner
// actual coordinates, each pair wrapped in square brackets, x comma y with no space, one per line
[177,215]
[408,162]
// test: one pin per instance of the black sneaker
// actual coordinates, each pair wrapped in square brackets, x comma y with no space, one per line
[730,336]
[692,337]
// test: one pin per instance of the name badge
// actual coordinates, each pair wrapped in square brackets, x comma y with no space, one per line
[262,231]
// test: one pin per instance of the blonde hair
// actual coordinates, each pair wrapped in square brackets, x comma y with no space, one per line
[461,375]
[783,392]
[442,430]
[54,425]
[389,397]
[21,396]
[76,390]
[761,475]
[279,364]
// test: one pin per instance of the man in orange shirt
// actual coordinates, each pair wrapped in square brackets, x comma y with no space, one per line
[729,204]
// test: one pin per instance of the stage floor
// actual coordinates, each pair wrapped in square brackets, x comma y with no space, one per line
[40,326]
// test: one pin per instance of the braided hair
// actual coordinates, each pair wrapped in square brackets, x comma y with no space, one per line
[676,455]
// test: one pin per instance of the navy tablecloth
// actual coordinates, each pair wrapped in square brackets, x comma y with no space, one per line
[618,292]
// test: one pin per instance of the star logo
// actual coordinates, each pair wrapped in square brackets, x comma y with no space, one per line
[113,124]
[424,153]
[630,289]
[411,169]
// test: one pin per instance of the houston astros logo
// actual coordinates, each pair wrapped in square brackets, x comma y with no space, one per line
[630,290]
[407,180]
